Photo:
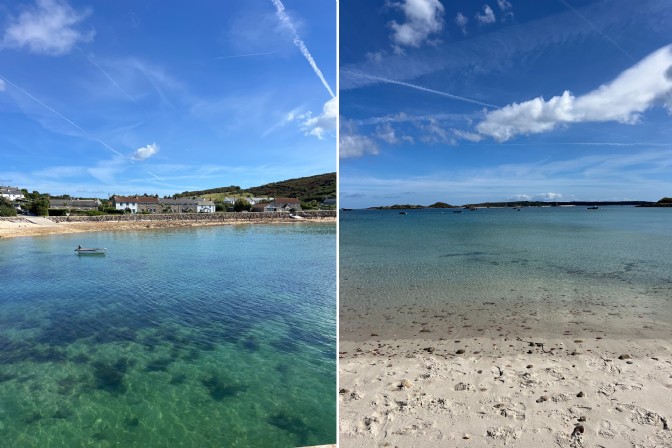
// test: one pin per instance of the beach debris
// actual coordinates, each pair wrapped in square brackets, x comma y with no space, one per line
[405,384]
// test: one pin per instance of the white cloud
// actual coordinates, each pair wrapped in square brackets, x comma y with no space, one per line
[146,152]
[47,28]
[322,124]
[487,17]
[2,85]
[504,4]
[388,134]
[469,136]
[423,17]
[352,144]
[461,21]
[635,90]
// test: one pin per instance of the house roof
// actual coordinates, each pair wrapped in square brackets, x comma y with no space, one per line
[286,201]
[138,199]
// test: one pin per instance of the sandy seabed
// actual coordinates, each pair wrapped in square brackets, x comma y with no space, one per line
[496,392]
[10,229]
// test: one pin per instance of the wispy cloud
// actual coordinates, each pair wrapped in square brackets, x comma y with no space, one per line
[284,19]
[145,152]
[423,18]
[2,85]
[352,144]
[48,28]
[487,17]
[637,89]
[486,52]
[461,21]
[265,53]
[504,4]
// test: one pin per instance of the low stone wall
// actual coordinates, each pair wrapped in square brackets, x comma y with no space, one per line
[201,217]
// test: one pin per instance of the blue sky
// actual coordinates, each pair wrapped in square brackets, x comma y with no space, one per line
[503,100]
[101,97]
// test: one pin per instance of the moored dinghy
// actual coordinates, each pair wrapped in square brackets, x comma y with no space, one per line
[90,251]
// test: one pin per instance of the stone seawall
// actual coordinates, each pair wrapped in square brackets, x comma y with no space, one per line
[200,217]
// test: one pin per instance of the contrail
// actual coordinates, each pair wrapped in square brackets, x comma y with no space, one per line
[599,31]
[424,89]
[107,75]
[61,116]
[282,15]
[246,55]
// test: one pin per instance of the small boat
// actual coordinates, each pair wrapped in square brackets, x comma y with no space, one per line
[594,207]
[346,209]
[403,213]
[297,217]
[90,251]
[457,211]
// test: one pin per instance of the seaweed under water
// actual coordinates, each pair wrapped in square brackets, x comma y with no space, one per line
[219,390]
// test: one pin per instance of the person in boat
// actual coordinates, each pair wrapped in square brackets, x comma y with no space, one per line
[79,247]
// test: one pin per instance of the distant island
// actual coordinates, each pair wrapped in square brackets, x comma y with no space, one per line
[664,202]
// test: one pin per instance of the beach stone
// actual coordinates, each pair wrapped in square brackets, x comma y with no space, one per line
[343,391]
[463,386]
[405,384]
[529,366]
[467,436]
[582,418]
[542,399]
[429,349]
[626,356]
[578,429]
[460,352]
[580,394]
[628,362]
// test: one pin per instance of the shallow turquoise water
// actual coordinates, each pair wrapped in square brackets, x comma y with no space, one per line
[541,260]
[221,336]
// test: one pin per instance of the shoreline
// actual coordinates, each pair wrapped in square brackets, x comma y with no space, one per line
[15,227]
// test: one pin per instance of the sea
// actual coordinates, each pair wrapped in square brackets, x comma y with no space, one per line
[550,271]
[203,337]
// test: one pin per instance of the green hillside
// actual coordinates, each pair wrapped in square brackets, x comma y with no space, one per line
[306,189]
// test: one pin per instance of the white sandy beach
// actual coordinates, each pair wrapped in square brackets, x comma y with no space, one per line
[495,392]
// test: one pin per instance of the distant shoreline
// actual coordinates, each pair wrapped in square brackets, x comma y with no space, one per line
[20,226]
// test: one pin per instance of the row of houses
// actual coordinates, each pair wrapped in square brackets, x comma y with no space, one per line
[154,204]
[151,204]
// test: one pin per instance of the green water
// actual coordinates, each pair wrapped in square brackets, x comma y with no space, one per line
[206,337]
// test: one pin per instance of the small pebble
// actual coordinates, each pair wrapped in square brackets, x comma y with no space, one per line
[460,352]
[529,366]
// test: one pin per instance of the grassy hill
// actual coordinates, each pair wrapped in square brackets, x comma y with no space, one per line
[306,189]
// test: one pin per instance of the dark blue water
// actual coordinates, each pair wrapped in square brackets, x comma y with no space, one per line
[221,336]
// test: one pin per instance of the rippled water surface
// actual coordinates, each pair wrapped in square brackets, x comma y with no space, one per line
[553,264]
[220,336]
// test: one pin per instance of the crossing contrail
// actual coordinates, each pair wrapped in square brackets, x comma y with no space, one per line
[282,15]
[61,116]
[246,55]
[424,89]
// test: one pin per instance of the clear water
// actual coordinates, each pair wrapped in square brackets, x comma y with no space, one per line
[219,336]
[546,261]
